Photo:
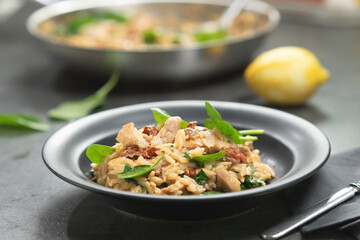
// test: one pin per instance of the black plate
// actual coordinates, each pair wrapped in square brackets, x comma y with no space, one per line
[294,147]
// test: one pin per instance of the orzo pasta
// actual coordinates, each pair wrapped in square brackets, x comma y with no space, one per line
[179,158]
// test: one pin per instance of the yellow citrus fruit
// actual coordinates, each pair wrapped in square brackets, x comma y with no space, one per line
[286,75]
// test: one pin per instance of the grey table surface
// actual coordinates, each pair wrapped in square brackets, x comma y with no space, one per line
[35,204]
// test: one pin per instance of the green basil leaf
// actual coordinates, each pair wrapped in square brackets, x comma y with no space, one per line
[161,116]
[201,178]
[211,192]
[96,152]
[223,126]
[76,109]
[24,121]
[137,171]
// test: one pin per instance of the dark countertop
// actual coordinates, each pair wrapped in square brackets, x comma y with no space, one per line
[35,204]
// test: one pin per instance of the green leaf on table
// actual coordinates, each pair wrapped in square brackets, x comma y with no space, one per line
[201,178]
[161,116]
[72,110]
[137,171]
[96,152]
[201,160]
[24,121]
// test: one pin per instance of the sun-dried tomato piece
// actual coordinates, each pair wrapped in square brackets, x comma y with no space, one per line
[191,172]
[150,130]
[234,155]
[149,152]
[192,124]
[132,152]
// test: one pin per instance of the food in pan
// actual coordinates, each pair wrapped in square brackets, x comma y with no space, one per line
[175,157]
[139,31]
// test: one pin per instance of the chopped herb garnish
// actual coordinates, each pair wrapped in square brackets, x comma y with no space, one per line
[163,152]
[144,191]
[161,116]
[201,178]
[137,171]
[76,109]
[23,121]
[211,192]
[96,152]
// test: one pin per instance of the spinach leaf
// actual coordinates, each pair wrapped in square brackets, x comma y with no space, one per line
[73,26]
[118,17]
[203,36]
[252,182]
[201,178]
[208,123]
[201,160]
[149,36]
[211,192]
[76,109]
[161,116]
[209,157]
[187,154]
[24,121]
[223,126]
[96,152]
[137,171]
[163,185]
[132,181]
[251,131]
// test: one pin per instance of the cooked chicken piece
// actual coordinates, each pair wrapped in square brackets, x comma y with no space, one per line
[226,182]
[167,132]
[130,136]
[217,140]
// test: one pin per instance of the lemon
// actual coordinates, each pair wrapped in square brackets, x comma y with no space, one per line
[286,75]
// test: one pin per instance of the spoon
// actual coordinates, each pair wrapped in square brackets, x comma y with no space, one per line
[226,19]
